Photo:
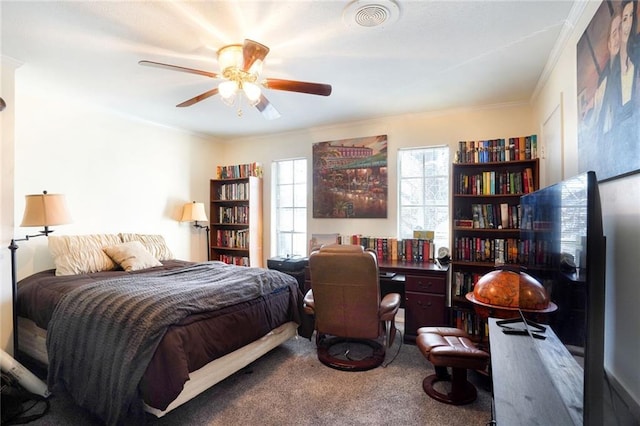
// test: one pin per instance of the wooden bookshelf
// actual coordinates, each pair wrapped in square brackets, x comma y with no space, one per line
[486,227]
[236,220]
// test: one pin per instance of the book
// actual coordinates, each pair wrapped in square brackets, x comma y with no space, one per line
[504,215]
[463,223]
[393,242]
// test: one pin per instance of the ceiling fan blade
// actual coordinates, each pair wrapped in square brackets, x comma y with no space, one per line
[253,51]
[198,98]
[178,68]
[298,86]
[268,111]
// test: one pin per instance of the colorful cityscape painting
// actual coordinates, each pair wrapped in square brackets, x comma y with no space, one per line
[350,178]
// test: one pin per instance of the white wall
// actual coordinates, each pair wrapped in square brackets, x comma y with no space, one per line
[118,174]
[621,210]
[7,71]
[427,129]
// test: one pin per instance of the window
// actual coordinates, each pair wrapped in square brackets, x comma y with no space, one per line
[424,192]
[289,214]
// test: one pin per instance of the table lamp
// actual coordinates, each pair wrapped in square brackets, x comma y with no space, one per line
[194,212]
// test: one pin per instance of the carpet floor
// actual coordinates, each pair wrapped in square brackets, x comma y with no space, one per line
[289,386]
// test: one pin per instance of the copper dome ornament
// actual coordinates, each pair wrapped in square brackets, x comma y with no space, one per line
[509,290]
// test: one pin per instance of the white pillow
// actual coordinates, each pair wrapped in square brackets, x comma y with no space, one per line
[132,256]
[154,243]
[81,254]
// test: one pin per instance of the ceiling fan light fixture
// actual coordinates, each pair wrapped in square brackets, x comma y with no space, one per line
[253,92]
[229,58]
[241,66]
[227,90]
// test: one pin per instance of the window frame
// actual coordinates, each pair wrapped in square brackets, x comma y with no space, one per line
[442,238]
[276,232]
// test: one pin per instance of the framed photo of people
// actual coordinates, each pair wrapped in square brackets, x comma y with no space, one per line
[608,87]
[350,178]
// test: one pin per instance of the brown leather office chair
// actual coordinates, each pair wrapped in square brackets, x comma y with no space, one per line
[345,300]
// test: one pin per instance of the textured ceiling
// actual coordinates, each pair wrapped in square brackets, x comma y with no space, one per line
[437,55]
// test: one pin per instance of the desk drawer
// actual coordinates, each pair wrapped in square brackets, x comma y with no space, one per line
[423,310]
[425,284]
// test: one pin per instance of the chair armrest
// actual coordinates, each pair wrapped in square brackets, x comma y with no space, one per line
[389,306]
[309,303]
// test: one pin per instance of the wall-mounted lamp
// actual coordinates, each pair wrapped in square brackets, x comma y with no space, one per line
[194,212]
[40,210]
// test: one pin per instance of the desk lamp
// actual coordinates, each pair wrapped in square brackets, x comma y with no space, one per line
[40,210]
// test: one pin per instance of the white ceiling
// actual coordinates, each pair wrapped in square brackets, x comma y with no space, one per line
[438,55]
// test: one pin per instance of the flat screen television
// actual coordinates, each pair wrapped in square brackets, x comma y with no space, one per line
[563,246]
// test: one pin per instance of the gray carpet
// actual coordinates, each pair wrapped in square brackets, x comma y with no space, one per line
[289,386]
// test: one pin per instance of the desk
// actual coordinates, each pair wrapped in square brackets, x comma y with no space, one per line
[535,382]
[423,291]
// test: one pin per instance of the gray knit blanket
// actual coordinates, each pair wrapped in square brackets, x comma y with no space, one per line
[103,335]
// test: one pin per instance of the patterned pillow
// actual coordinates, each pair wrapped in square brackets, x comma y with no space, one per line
[81,254]
[155,244]
[132,256]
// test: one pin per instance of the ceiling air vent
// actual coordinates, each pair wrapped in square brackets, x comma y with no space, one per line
[369,14]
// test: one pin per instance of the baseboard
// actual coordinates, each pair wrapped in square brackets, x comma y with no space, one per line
[626,409]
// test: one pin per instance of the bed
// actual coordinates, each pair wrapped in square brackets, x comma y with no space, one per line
[125,339]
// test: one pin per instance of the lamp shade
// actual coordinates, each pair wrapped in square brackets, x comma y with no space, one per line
[193,212]
[227,90]
[252,91]
[45,210]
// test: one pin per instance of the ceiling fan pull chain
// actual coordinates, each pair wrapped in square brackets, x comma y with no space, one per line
[239,100]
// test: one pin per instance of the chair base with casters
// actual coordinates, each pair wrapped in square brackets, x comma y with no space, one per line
[349,312]
[447,347]
[347,354]
[329,352]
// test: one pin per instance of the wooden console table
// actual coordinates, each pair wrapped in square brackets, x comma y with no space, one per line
[535,382]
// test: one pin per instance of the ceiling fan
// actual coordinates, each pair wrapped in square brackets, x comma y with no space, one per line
[241,66]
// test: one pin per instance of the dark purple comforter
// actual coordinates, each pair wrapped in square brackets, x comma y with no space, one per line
[188,344]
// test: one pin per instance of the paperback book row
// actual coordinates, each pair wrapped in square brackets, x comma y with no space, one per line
[234,215]
[234,191]
[491,182]
[390,249]
[539,220]
[498,150]
[239,171]
[537,253]
[471,323]
[234,260]
[232,238]
[491,216]
[500,251]
[495,250]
